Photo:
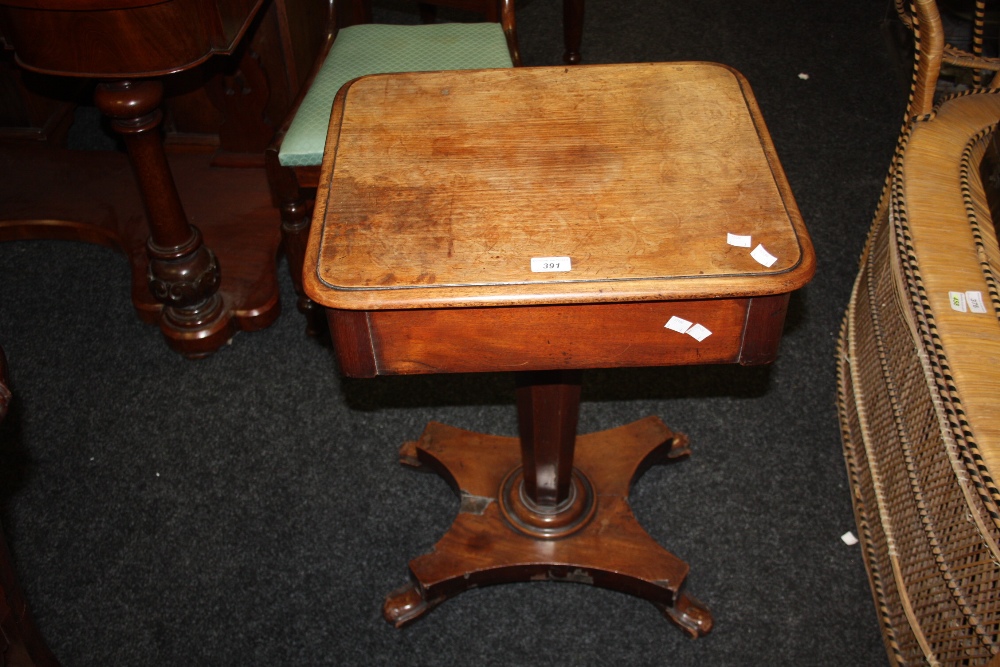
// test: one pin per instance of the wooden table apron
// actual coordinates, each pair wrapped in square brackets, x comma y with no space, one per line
[655,185]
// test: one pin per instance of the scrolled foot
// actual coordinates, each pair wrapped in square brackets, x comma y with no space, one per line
[408,455]
[405,605]
[679,448]
[689,615]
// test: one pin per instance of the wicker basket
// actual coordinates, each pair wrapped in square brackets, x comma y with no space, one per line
[918,393]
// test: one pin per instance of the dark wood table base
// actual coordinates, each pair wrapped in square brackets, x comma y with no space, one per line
[597,541]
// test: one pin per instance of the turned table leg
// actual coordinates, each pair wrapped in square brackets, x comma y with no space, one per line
[184,274]
[545,498]
[549,505]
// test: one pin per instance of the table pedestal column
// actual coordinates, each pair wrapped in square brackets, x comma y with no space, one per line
[549,505]
[183,273]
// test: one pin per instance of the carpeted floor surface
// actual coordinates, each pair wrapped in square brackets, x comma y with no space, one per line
[248,509]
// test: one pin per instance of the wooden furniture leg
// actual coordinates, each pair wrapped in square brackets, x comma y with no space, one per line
[295,207]
[572,30]
[184,274]
[530,512]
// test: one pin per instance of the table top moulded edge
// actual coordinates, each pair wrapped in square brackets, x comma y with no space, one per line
[675,288]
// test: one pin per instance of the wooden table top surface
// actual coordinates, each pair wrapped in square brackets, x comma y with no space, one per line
[446,189]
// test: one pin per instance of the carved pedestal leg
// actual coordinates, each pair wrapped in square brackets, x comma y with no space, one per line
[183,273]
[528,513]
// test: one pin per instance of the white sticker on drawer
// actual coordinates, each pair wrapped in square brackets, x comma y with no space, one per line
[698,332]
[678,324]
[975,301]
[957,301]
[547,264]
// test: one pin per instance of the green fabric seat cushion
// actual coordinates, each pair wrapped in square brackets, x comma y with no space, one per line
[377,49]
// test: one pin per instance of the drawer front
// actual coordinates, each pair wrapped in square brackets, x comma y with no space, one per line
[463,340]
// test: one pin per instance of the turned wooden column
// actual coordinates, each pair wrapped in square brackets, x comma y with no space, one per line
[183,274]
[548,405]
[547,497]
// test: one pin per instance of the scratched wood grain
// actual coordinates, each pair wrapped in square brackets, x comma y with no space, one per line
[438,189]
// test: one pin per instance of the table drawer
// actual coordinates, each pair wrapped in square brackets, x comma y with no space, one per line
[462,340]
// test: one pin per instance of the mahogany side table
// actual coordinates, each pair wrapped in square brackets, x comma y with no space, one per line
[599,216]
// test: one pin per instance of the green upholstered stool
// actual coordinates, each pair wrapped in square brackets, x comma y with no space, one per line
[377,49]
[294,157]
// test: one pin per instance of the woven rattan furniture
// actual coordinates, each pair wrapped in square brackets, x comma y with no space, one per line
[919,384]
[923,18]
[918,378]
[356,47]
[603,216]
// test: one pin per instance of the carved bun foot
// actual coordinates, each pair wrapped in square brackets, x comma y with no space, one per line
[405,605]
[689,615]
[200,341]
[185,279]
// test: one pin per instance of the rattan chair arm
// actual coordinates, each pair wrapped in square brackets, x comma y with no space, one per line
[960,58]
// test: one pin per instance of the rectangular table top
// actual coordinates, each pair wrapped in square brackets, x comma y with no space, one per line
[548,186]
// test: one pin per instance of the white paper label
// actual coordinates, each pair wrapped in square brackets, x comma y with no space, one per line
[678,324]
[738,240]
[698,332]
[763,256]
[849,539]
[975,301]
[957,300]
[547,264]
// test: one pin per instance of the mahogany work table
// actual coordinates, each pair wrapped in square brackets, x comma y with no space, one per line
[595,216]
